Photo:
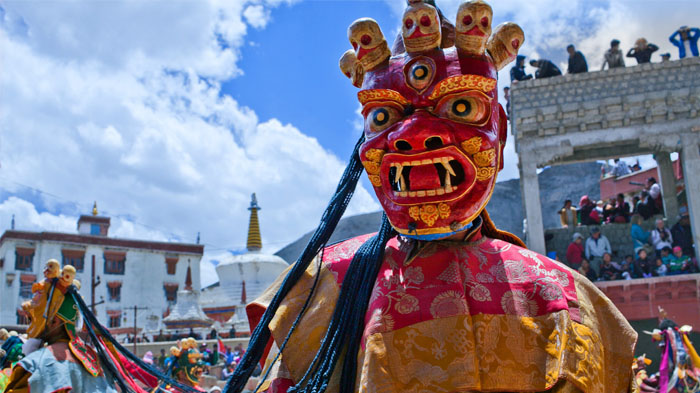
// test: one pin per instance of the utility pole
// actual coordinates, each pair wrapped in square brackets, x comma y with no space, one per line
[136,310]
[94,283]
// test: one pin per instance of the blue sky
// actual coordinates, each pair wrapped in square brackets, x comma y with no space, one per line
[170,114]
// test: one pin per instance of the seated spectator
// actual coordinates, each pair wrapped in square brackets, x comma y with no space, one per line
[660,268]
[640,237]
[627,267]
[682,234]
[621,212]
[636,167]
[517,73]
[678,263]
[613,57]
[545,68]
[642,51]
[666,255]
[665,57]
[661,237]
[609,210]
[686,39]
[598,213]
[596,246]
[642,265]
[586,270]
[577,62]
[227,371]
[621,168]
[567,215]
[608,272]
[574,253]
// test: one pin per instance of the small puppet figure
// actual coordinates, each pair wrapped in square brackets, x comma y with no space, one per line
[41,293]
[645,383]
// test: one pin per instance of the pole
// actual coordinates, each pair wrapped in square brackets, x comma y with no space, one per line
[136,310]
[92,287]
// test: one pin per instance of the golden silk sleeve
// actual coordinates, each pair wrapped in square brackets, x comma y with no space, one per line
[306,339]
[616,337]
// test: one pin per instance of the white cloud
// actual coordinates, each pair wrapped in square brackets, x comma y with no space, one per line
[257,16]
[121,103]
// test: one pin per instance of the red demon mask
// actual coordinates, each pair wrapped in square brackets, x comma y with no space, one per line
[434,130]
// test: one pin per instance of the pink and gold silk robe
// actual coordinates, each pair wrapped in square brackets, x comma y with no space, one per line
[478,316]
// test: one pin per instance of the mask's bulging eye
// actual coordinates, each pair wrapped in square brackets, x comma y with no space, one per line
[379,118]
[472,108]
[461,107]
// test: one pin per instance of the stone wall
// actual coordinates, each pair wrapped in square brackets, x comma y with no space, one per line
[606,99]
[562,112]
[618,235]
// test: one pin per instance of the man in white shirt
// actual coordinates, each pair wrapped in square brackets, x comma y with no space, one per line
[655,194]
[621,168]
[596,246]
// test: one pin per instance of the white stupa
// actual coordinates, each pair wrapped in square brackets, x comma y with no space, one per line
[187,312]
[242,278]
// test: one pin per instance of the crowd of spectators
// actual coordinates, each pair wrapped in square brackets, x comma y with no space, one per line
[616,210]
[659,252]
[685,39]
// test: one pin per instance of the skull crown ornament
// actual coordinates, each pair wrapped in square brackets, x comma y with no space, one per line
[434,130]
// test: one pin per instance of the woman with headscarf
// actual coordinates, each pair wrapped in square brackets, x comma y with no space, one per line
[585,209]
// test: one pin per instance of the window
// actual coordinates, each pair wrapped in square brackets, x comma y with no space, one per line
[23,258]
[114,289]
[25,285]
[22,317]
[170,292]
[75,258]
[171,265]
[95,229]
[115,318]
[114,262]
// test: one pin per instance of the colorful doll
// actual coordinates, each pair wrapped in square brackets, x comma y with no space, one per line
[66,363]
[36,308]
[679,367]
[439,300]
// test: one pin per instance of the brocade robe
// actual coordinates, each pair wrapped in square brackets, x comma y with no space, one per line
[482,315]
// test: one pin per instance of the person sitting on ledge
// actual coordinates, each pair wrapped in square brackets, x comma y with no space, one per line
[574,253]
[517,73]
[642,51]
[613,56]
[642,266]
[608,272]
[545,68]
[577,62]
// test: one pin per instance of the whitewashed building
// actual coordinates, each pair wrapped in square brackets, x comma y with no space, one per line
[242,278]
[116,274]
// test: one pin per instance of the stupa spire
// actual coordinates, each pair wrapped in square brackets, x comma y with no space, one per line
[254,240]
[188,278]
